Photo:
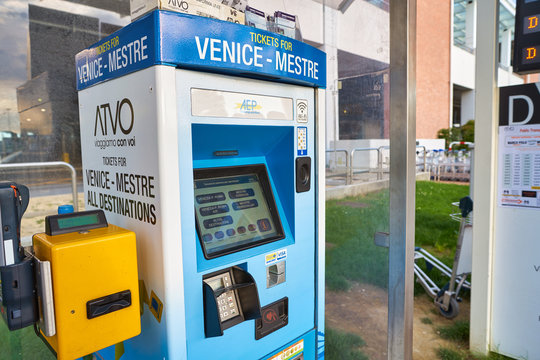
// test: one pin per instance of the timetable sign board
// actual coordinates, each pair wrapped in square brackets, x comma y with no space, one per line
[527,37]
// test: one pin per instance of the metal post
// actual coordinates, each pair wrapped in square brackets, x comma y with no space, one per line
[425,153]
[350,171]
[485,163]
[348,164]
[471,174]
[379,164]
[380,152]
[402,177]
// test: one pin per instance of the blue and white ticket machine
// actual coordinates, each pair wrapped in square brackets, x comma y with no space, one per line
[206,139]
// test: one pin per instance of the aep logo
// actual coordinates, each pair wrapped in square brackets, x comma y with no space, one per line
[249,106]
[124,118]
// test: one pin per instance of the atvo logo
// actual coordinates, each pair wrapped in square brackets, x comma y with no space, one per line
[104,117]
[179,4]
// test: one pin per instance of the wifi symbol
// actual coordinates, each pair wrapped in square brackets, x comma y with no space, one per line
[302,107]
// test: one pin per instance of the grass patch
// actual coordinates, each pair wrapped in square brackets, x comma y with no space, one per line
[494,356]
[340,345]
[353,255]
[426,320]
[458,331]
[448,354]
[435,230]
[22,345]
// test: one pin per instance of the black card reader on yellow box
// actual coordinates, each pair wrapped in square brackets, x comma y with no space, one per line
[93,267]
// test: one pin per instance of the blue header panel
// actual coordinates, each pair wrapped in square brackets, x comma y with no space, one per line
[174,39]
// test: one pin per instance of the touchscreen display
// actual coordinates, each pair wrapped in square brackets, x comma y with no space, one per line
[234,212]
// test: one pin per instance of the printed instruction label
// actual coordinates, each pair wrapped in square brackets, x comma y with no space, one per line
[519,169]
[302,141]
[289,353]
[115,185]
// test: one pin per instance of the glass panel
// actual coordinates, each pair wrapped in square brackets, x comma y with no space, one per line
[446,178]
[357,167]
[39,115]
[39,123]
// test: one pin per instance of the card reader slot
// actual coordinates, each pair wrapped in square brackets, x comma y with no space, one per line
[108,304]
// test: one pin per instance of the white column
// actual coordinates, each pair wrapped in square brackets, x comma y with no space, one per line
[506,47]
[485,172]
[470,24]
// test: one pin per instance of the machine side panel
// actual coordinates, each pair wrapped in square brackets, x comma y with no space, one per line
[168,144]
[123,175]
[320,174]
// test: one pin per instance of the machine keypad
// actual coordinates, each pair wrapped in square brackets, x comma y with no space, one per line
[227,302]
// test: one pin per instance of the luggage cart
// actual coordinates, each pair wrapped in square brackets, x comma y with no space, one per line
[447,297]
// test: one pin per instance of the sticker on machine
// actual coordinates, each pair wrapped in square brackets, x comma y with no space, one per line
[301,111]
[275,257]
[302,140]
[290,353]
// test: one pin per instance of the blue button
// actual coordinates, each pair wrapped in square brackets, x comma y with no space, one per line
[65,209]
[207,238]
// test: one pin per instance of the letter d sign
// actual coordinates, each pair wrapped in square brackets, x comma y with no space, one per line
[530,106]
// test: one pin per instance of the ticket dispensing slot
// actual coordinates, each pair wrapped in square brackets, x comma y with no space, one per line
[230,297]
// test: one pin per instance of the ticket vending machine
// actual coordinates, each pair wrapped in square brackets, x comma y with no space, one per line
[206,139]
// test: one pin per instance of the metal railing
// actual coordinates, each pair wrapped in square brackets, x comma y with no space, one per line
[351,171]
[450,171]
[347,163]
[50,164]
[381,167]
[451,146]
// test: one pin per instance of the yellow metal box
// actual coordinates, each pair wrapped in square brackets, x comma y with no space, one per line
[95,288]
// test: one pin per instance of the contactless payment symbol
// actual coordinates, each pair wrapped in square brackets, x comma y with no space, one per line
[302,141]
[270,316]
[301,111]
